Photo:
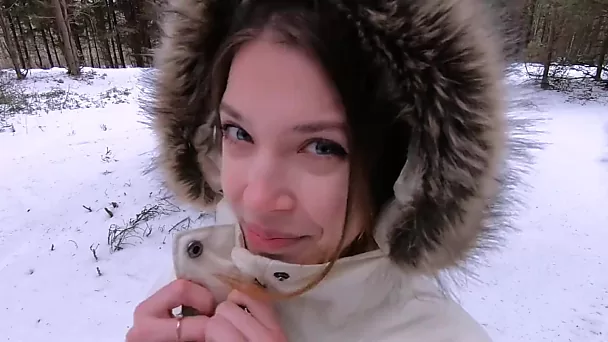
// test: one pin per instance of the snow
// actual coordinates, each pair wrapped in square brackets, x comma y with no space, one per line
[51,167]
[62,168]
[550,283]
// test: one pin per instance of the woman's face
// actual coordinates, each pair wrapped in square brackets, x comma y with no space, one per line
[285,166]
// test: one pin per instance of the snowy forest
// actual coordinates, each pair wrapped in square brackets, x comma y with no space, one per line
[123,33]
[87,221]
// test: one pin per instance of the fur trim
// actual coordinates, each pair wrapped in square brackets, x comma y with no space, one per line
[451,174]
[174,91]
[454,194]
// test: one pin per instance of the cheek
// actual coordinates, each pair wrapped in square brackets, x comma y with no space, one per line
[325,198]
[232,178]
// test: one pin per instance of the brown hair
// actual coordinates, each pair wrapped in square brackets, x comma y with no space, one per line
[300,24]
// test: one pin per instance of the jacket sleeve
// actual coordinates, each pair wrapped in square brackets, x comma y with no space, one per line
[428,316]
[463,328]
[447,321]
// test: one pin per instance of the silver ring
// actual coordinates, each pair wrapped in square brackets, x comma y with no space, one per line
[178,328]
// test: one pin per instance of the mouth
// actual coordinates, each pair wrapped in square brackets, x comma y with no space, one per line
[260,238]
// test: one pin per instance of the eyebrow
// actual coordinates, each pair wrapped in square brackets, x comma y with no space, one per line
[231,111]
[312,127]
[315,127]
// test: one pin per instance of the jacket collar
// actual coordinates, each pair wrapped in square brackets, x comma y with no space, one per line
[286,277]
[353,286]
[371,271]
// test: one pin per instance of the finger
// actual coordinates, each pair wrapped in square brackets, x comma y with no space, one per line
[262,311]
[219,329]
[176,293]
[165,330]
[245,322]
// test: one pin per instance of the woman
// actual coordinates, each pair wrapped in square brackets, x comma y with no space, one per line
[355,149]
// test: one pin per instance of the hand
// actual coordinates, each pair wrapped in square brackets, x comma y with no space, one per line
[231,323]
[153,320]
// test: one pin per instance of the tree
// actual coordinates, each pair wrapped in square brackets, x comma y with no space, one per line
[68,45]
[9,43]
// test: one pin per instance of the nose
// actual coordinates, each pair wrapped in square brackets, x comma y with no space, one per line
[267,189]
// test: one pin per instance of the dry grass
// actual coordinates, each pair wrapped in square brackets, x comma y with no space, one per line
[137,227]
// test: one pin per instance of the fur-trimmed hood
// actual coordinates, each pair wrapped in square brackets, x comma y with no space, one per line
[447,60]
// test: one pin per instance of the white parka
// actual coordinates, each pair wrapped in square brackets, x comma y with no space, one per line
[427,78]
[364,298]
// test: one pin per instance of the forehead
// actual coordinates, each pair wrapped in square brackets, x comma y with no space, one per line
[274,81]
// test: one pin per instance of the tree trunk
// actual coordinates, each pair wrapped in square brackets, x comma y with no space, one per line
[594,36]
[67,14]
[102,35]
[114,54]
[112,17]
[545,84]
[33,34]
[70,56]
[46,47]
[28,60]
[16,40]
[94,39]
[9,46]
[88,37]
[74,33]
[569,53]
[54,48]
[136,36]
[531,12]
[97,52]
[601,58]
[543,34]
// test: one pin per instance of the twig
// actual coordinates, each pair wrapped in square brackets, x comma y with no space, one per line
[110,213]
[204,215]
[94,251]
[180,223]
[148,230]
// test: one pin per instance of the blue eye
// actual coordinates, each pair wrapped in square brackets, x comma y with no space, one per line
[326,148]
[235,133]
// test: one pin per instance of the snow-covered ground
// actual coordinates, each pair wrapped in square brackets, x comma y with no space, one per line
[72,184]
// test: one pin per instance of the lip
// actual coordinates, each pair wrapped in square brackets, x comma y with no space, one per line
[262,239]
